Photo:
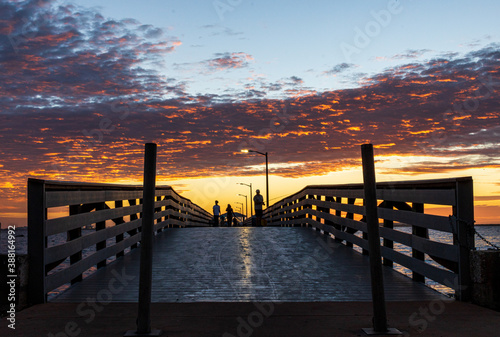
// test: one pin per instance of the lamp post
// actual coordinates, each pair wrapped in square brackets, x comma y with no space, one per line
[267,173]
[251,197]
[241,206]
[246,204]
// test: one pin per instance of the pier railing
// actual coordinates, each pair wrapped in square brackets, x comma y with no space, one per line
[338,210]
[113,212]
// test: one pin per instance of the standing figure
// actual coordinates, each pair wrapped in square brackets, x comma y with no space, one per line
[229,211]
[258,201]
[216,209]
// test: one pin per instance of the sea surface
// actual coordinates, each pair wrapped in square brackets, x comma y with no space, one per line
[490,233]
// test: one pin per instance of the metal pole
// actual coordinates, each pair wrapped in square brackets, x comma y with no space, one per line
[251,201]
[378,297]
[147,234]
[267,184]
[246,204]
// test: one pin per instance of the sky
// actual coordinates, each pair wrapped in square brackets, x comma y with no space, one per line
[85,84]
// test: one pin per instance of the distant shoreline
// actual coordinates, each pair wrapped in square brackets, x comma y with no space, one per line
[395,225]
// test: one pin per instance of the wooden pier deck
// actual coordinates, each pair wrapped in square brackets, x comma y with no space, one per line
[266,281]
[247,264]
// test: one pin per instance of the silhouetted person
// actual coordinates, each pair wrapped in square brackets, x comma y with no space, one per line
[258,201]
[229,211]
[216,209]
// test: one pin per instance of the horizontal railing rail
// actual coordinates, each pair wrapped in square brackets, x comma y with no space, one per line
[113,212]
[338,210]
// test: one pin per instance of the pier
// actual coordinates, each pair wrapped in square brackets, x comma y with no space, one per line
[298,276]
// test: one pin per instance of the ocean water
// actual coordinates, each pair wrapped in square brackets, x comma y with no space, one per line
[490,233]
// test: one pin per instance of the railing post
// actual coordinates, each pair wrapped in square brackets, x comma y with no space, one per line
[73,235]
[37,241]
[147,234]
[378,296]
[388,243]
[133,217]
[464,213]
[339,214]
[98,227]
[420,232]
[350,201]
[119,221]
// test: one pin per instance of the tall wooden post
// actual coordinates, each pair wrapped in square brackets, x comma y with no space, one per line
[464,213]
[147,234]
[378,296]
[37,241]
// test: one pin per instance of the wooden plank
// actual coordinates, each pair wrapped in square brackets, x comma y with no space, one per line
[428,221]
[429,196]
[65,198]
[439,275]
[175,222]
[344,193]
[339,234]
[349,208]
[354,224]
[66,275]
[67,223]
[429,247]
[424,196]
[64,250]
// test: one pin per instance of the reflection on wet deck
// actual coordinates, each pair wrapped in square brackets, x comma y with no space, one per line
[246,264]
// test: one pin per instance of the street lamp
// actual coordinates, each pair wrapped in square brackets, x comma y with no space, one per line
[240,207]
[246,204]
[251,197]
[267,173]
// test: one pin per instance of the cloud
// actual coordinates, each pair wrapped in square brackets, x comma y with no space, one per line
[410,54]
[339,68]
[220,62]
[79,102]
[216,30]
[225,61]
[57,56]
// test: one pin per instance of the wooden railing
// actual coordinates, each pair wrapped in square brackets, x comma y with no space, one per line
[112,211]
[338,211]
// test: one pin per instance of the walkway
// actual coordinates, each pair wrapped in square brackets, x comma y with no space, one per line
[243,265]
